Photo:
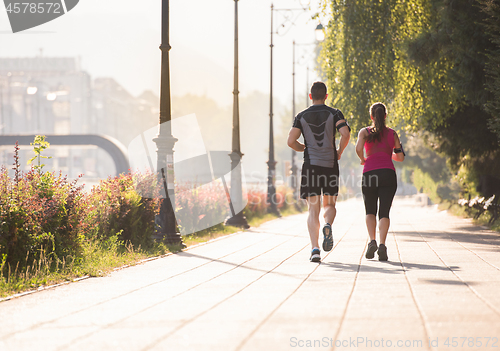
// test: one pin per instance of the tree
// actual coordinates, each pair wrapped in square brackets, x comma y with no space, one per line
[430,61]
[492,9]
[364,58]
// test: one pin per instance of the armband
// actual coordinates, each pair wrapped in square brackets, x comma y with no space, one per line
[343,124]
[399,150]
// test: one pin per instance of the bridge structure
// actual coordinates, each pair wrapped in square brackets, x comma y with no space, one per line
[113,147]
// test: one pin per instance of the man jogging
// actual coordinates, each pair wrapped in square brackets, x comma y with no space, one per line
[320,171]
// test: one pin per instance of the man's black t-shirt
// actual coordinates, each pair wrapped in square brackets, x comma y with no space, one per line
[317,124]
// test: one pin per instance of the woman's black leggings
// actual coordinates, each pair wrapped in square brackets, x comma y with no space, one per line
[379,184]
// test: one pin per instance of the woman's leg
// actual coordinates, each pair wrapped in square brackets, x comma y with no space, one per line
[386,194]
[383,228]
[370,197]
[371,225]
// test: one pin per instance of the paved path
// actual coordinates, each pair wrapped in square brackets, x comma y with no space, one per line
[256,290]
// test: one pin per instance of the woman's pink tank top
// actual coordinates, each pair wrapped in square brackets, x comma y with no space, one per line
[379,154]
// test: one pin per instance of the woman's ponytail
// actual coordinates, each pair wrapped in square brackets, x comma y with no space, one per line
[378,111]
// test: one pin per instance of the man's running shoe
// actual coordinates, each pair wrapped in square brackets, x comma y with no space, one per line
[382,253]
[315,255]
[328,237]
[372,247]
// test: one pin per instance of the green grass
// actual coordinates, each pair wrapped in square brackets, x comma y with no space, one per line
[208,234]
[97,259]
[102,257]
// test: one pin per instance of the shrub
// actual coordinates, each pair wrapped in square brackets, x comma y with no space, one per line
[115,207]
[256,205]
[37,215]
[200,206]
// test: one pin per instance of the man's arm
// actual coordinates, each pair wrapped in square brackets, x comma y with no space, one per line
[345,135]
[293,137]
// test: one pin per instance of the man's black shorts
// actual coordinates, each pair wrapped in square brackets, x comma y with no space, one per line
[317,180]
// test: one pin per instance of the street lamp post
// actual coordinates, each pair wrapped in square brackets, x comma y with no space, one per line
[271,163]
[307,87]
[238,219]
[293,170]
[166,225]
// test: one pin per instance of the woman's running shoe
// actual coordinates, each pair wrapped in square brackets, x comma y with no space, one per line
[315,255]
[372,247]
[382,253]
[327,237]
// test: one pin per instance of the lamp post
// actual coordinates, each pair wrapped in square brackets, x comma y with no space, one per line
[166,225]
[271,163]
[293,170]
[237,220]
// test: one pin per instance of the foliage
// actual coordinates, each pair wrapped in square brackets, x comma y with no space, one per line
[492,9]
[50,230]
[429,61]
[39,145]
[365,61]
[205,205]
[115,207]
[457,36]
[37,216]
[257,201]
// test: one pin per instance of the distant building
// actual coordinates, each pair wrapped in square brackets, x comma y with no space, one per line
[47,95]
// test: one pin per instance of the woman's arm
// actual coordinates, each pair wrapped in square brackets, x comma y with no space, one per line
[360,144]
[399,156]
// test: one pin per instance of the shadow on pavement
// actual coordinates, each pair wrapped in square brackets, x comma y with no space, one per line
[386,267]
[240,265]
[447,282]
[488,240]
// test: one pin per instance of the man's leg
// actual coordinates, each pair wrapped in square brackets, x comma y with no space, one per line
[329,206]
[314,206]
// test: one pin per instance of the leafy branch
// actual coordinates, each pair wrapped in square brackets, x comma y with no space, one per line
[39,145]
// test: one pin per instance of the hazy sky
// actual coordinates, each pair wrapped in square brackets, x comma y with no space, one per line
[120,39]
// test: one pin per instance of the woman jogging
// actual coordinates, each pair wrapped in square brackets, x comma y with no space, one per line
[382,145]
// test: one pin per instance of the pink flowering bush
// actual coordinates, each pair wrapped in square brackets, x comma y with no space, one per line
[115,207]
[200,206]
[38,216]
[256,205]
[42,214]
[257,200]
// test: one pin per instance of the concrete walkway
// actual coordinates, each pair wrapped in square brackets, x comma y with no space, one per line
[257,290]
